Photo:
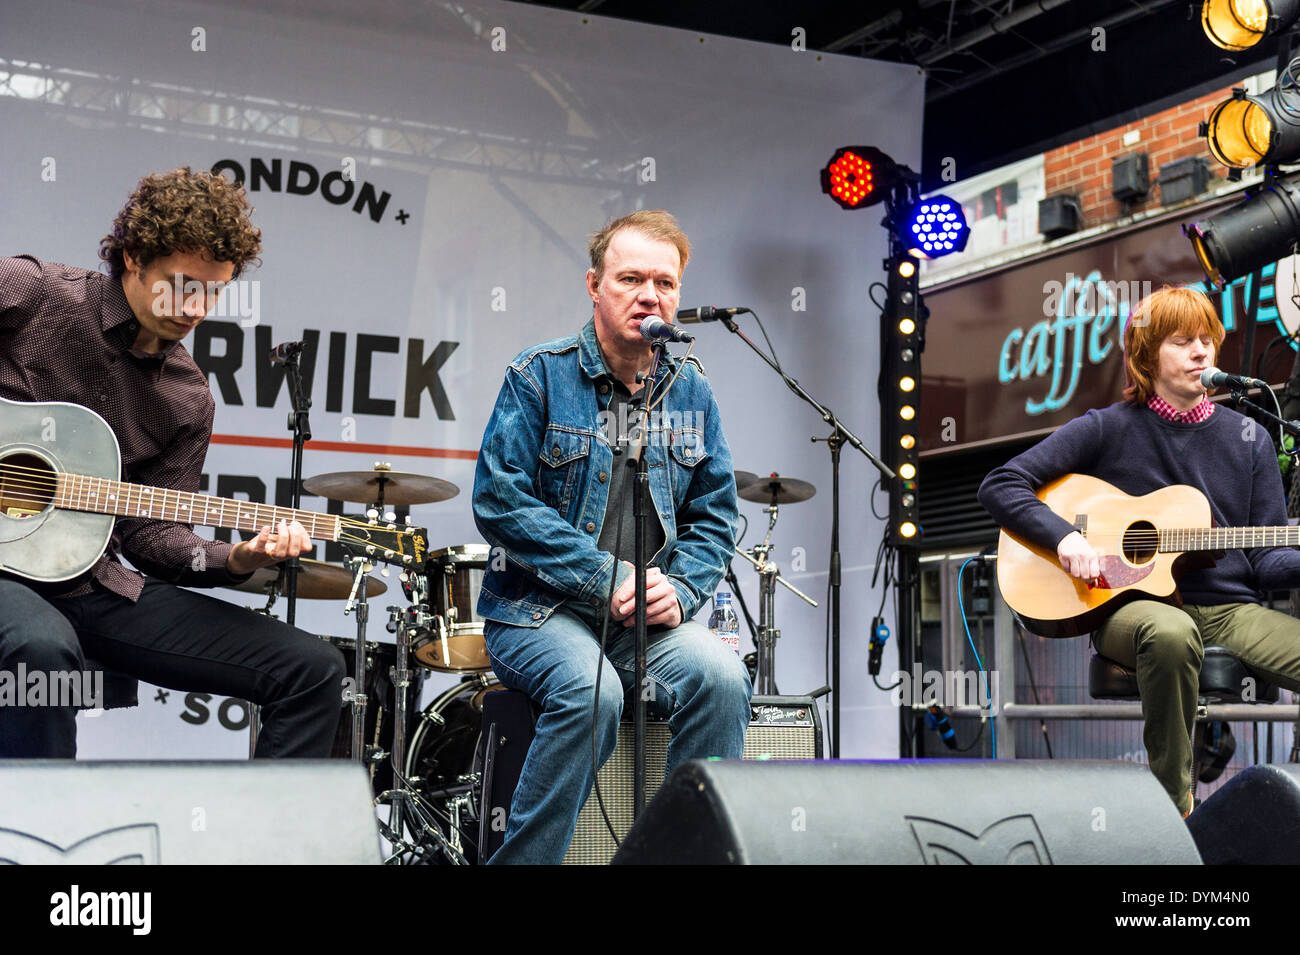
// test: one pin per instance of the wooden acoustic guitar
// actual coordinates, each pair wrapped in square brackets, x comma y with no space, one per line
[60,494]
[1145,541]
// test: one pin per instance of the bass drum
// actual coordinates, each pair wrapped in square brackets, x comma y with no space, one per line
[442,758]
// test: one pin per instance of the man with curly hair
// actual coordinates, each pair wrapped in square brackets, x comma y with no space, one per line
[112,344]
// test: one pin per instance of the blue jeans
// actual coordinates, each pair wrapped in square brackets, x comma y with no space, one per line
[697,682]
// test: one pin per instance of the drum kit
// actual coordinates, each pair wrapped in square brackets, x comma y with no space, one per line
[421,766]
[426,767]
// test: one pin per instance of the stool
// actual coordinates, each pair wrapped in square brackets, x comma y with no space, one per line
[1224,679]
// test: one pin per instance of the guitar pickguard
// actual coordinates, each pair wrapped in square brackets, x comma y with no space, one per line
[1116,573]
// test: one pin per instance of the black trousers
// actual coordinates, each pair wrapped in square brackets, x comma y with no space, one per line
[173,638]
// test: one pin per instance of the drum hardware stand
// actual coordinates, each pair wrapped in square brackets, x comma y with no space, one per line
[405,622]
[840,435]
[357,600]
[768,577]
[427,836]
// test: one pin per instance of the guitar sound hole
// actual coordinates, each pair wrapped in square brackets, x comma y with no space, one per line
[27,485]
[1140,542]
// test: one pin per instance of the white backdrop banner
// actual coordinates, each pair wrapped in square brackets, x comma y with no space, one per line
[425,179]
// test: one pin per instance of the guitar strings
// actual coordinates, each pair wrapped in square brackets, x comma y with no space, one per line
[40,480]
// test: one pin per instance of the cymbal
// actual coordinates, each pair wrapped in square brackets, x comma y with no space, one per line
[787,490]
[317,580]
[401,488]
[745,478]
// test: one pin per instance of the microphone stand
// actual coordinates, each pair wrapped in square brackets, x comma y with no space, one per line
[839,436]
[300,425]
[1237,397]
[640,490]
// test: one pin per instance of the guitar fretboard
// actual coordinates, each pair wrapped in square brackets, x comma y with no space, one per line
[1227,538]
[78,492]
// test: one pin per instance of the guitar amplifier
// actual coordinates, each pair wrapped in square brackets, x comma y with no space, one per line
[780,727]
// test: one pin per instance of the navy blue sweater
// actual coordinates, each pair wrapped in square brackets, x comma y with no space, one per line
[1229,457]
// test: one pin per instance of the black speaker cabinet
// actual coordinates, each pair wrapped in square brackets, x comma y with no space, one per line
[1253,819]
[224,813]
[932,812]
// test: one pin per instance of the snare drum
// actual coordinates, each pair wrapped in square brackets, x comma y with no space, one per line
[455,642]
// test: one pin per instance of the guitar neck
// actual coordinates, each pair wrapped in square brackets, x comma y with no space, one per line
[1179,539]
[78,492]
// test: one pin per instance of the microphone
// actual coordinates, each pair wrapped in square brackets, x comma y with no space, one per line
[657,330]
[1213,378]
[708,313]
[283,354]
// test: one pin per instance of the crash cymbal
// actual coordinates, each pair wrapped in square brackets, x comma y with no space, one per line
[745,478]
[317,580]
[787,490]
[400,488]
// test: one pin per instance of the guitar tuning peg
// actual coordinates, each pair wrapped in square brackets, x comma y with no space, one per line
[390,517]
[370,549]
[383,571]
[388,555]
[409,523]
[404,577]
[372,514]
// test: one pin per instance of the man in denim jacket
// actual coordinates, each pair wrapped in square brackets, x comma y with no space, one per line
[551,493]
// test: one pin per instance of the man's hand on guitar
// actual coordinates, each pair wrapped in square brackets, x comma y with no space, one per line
[270,546]
[1079,558]
[660,600]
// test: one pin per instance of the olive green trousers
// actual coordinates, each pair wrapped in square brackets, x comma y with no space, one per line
[1165,645]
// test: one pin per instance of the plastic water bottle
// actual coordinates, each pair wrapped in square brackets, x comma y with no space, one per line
[724,623]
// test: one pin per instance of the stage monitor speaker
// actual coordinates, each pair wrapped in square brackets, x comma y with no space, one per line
[781,727]
[1253,819]
[929,812]
[315,812]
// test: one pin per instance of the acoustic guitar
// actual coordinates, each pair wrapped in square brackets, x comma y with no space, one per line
[60,494]
[1145,541]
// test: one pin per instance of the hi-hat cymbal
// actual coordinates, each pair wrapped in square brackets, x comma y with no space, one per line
[745,478]
[400,488]
[317,580]
[786,490]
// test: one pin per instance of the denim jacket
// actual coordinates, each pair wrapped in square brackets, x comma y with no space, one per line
[544,474]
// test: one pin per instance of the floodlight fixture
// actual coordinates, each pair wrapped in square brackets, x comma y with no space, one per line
[1246,131]
[859,176]
[1241,24]
[1261,229]
[934,227]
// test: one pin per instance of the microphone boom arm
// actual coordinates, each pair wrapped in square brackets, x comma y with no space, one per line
[826,414]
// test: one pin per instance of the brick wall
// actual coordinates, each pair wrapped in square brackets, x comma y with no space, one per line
[1083,167]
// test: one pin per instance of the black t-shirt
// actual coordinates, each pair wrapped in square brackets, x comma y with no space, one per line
[625,410]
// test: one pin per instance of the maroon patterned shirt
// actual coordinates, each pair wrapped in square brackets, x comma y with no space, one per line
[1170,413]
[67,334]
